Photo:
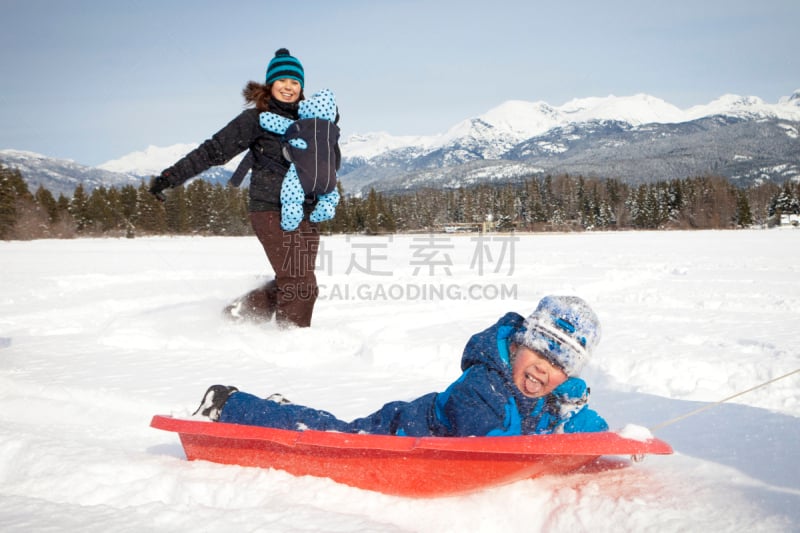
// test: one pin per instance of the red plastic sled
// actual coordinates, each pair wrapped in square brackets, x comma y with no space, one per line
[404,466]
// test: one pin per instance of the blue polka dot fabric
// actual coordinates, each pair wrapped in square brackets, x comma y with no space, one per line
[313,168]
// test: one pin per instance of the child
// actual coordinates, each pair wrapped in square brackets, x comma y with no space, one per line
[519,378]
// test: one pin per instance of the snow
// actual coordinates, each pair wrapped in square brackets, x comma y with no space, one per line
[733,104]
[98,335]
[634,432]
[26,155]
[636,110]
[150,161]
[153,159]
[370,144]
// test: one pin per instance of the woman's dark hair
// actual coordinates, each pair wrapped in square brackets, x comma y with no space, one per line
[259,95]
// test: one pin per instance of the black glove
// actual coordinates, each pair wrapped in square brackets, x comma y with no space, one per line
[159,184]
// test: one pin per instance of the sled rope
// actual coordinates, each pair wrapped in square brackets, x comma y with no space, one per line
[720,402]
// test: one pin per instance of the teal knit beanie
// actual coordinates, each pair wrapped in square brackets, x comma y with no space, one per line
[284,65]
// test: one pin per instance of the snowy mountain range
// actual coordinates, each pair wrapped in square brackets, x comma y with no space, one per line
[62,176]
[637,138]
[517,120]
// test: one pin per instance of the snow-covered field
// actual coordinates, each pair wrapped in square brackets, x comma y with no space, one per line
[97,335]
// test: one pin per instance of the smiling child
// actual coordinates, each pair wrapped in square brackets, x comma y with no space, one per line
[520,377]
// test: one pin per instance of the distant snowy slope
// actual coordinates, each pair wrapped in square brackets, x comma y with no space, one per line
[368,145]
[794,99]
[153,159]
[635,110]
[61,176]
[788,108]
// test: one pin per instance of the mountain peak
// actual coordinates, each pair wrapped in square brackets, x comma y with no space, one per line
[636,109]
[794,99]
[522,118]
[153,159]
[23,155]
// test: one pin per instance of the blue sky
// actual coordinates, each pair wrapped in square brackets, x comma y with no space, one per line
[95,80]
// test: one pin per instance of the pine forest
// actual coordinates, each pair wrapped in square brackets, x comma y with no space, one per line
[550,203]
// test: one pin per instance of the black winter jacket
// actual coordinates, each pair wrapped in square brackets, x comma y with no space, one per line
[242,133]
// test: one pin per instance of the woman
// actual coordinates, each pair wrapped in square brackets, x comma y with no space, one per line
[292,254]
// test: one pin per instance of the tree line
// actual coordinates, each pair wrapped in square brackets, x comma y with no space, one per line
[550,203]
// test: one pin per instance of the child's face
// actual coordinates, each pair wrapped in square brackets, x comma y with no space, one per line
[534,375]
[286,90]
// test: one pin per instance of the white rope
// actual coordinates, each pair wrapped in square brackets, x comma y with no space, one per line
[715,404]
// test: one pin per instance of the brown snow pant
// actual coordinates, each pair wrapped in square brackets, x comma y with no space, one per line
[293,255]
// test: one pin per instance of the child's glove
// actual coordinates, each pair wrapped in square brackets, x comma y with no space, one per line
[571,396]
[562,404]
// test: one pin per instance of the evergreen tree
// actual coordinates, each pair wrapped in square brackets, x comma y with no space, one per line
[150,216]
[219,211]
[65,226]
[506,208]
[199,208]
[744,217]
[128,208]
[79,208]
[632,207]
[63,206]
[538,211]
[785,202]
[385,218]
[17,183]
[20,216]
[176,212]
[239,201]
[44,198]
[615,194]
[341,220]
[606,217]
[372,222]
[100,214]
[9,187]
[674,206]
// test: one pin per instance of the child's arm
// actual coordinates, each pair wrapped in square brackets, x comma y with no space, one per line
[477,404]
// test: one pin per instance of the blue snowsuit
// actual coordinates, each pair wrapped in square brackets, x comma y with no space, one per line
[483,402]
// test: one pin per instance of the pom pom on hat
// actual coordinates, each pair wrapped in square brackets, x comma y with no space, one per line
[284,65]
[564,330]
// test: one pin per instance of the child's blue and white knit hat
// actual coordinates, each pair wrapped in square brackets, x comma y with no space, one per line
[564,330]
[284,65]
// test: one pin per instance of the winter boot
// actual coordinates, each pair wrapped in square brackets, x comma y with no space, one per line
[257,305]
[278,398]
[213,401]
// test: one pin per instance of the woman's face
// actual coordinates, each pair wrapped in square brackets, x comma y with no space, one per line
[286,90]
[534,375]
